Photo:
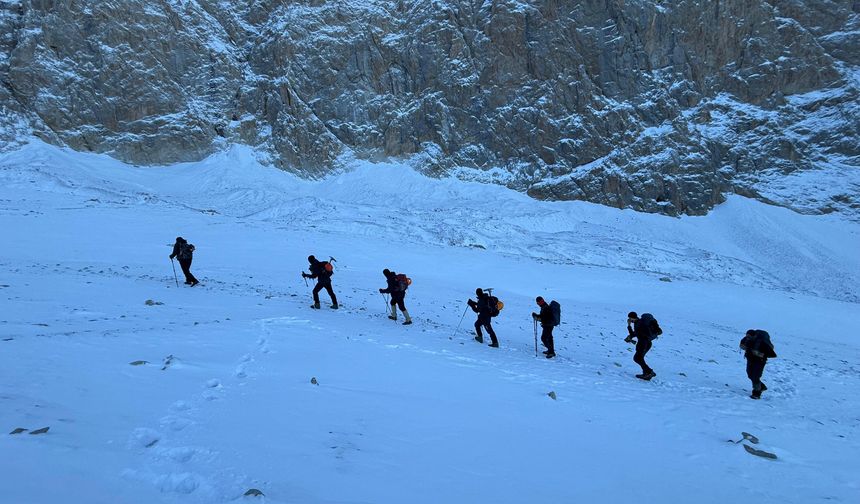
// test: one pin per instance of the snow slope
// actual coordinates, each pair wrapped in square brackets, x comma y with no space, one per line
[407,414]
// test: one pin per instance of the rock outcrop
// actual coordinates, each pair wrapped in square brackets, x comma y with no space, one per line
[661,106]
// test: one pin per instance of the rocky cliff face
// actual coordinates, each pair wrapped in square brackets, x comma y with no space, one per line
[661,106]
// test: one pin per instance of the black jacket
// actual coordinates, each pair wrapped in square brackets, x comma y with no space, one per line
[547,319]
[641,331]
[482,306]
[183,250]
[318,271]
[758,345]
[393,284]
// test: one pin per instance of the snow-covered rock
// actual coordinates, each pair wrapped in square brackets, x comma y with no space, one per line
[661,106]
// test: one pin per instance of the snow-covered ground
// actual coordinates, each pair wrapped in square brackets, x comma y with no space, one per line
[418,414]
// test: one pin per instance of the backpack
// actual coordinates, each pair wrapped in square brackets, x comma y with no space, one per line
[403,282]
[495,306]
[185,251]
[556,313]
[763,345]
[652,325]
[327,268]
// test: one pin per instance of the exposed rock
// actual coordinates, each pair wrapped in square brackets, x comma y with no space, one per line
[661,106]
[43,430]
[759,453]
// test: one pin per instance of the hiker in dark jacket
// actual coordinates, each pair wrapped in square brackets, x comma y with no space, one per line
[184,252]
[322,274]
[757,350]
[485,317]
[645,330]
[397,289]
[547,323]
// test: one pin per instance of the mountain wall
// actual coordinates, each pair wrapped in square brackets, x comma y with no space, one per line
[659,106]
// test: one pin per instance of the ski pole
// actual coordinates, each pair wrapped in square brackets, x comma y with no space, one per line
[535,321]
[305,279]
[174,271]
[385,300]
[461,321]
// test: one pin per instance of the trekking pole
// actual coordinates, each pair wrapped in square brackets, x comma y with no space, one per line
[461,321]
[385,300]
[535,321]
[305,279]
[174,271]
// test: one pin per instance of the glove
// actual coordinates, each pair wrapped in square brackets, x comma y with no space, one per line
[535,315]
[304,275]
[380,291]
[628,339]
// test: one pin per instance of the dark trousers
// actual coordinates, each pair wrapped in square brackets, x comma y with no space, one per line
[546,339]
[642,347]
[185,264]
[486,323]
[398,298]
[327,286]
[755,368]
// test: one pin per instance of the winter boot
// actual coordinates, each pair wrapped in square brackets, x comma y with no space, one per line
[493,345]
[550,355]
[479,338]
[334,306]
[408,318]
[315,306]
[393,315]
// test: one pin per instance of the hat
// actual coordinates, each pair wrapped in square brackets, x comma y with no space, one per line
[539,300]
[632,315]
[312,259]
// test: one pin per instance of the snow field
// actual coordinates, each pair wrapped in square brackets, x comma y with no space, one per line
[419,413]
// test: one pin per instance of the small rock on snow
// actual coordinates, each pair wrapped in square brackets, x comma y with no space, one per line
[759,453]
